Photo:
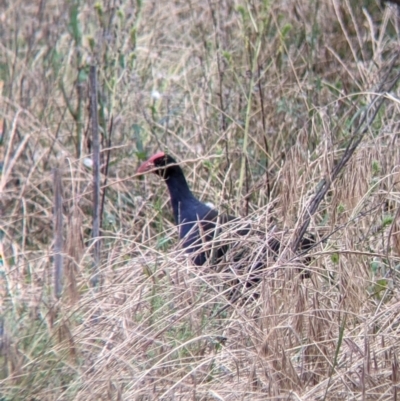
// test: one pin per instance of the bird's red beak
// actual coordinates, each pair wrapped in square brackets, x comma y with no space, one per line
[149,164]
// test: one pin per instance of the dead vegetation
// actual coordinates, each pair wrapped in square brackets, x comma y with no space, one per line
[260,101]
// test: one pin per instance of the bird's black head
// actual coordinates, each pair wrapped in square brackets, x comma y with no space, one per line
[161,164]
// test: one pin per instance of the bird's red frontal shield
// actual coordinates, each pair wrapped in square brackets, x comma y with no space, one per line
[149,163]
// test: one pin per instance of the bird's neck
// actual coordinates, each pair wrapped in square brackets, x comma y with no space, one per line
[180,195]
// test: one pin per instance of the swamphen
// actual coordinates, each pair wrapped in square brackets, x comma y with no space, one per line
[199,225]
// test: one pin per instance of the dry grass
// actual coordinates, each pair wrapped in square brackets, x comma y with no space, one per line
[259,101]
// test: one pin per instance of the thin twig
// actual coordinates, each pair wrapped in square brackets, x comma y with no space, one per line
[264,125]
[96,175]
[58,236]
[105,171]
